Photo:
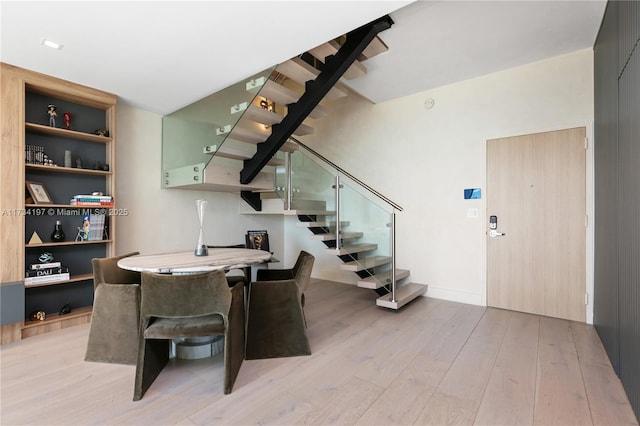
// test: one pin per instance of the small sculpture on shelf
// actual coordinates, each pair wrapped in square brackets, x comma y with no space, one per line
[65,309]
[67,120]
[38,316]
[57,236]
[78,163]
[102,132]
[45,257]
[51,110]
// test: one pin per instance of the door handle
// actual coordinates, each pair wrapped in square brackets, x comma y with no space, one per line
[493,233]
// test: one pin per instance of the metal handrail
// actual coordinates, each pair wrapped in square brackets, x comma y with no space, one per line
[350,176]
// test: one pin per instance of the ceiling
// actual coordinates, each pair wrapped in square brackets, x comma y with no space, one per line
[163,55]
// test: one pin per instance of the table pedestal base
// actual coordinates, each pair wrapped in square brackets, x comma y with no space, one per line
[198,347]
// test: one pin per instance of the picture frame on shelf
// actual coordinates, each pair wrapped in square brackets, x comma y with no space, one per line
[257,240]
[38,193]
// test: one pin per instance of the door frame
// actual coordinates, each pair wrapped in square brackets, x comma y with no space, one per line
[589,207]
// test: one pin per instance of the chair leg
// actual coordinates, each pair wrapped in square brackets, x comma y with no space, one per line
[234,338]
[152,357]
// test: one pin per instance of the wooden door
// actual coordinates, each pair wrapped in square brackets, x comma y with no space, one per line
[536,190]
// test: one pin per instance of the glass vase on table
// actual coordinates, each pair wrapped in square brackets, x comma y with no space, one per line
[201,247]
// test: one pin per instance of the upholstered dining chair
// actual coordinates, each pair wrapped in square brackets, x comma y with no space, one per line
[232,279]
[115,321]
[276,325]
[185,306]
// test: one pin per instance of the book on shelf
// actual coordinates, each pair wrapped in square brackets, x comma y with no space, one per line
[92,200]
[35,266]
[46,279]
[92,203]
[46,272]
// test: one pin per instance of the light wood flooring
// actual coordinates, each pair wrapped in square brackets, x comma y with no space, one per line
[433,362]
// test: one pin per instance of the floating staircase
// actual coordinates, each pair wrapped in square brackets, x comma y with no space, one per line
[374,272]
[244,133]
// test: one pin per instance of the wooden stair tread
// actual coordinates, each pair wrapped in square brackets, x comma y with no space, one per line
[355,248]
[324,224]
[366,263]
[223,178]
[278,93]
[285,96]
[404,294]
[332,237]
[382,279]
[301,72]
[331,48]
[308,212]
[376,47]
[237,154]
[256,134]
[269,118]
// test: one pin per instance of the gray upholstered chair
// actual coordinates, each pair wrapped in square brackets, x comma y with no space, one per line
[185,306]
[113,335]
[232,279]
[276,325]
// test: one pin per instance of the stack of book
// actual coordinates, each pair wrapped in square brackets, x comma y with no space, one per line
[42,273]
[92,201]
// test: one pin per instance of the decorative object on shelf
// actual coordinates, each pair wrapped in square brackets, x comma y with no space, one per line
[79,163]
[38,316]
[35,238]
[34,154]
[97,165]
[67,159]
[67,120]
[102,132]
[257,240]
[105,167]
[58,234]
[51,110]
[45,257]
[38,193]
[65,309]
[201,247]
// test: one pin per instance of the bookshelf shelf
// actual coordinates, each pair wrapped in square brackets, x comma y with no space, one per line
[70,134]
[67,243]
[60,169]
[72,279]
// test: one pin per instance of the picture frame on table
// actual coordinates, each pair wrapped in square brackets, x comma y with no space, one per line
[38,193]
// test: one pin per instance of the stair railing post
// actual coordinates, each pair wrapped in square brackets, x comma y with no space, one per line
[337,186]
[393,257]
[287,201]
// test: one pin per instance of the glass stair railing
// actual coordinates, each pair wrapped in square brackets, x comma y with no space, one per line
[219,129]
[352,220]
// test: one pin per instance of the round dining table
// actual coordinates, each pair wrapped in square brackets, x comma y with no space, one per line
[186,262]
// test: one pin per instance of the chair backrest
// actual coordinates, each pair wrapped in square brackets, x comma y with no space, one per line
[302,270]
[183,296]
[106,270]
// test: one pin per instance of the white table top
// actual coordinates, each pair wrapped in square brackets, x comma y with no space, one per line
[188,262]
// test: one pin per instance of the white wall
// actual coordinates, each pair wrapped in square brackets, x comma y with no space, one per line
[161,220]
[423,159]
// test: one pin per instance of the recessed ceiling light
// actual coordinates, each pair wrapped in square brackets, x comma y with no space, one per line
[51,44]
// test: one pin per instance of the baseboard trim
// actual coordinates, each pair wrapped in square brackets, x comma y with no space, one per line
[460,296]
